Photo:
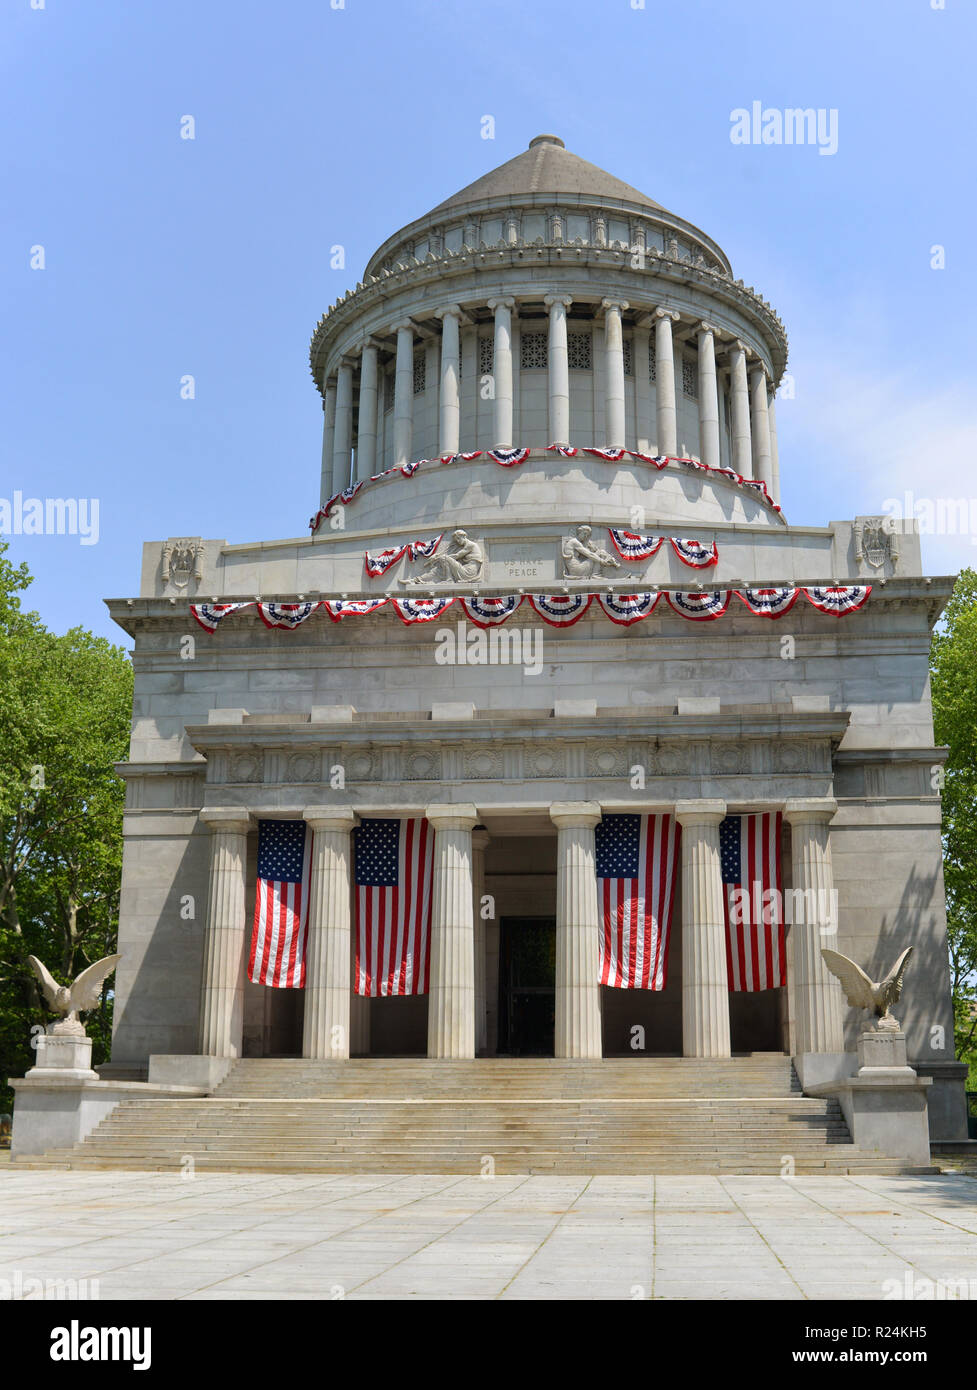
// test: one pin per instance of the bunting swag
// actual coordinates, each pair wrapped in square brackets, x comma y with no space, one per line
[489,612]
[379,561]
[288,615]
[637,865]
[420,610]
[208,615]
[423,549]
[700,607]
[841,599]
[508,458]
[659,460]
[694,553]
[281,904]
[625,609]
[749,851]
[394,874]
[631,546]
[608,455]
[339,608]
[569,451]
[409,469]
[768,603]
[560,610]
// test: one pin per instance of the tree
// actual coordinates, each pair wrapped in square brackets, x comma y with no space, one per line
[65,704]
[954,681]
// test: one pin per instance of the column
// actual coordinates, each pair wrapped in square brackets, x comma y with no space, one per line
[761,425]
[774,451]
[366,420]
[480,839]
[451,1001]
[642,386]
[708,397]
[326,1026]
[578,1024]
[614,372]
[665,382]
[739,409]
[403,394]
[344,427]
[705,985]
[502,371]
[328,441]
[817,994]
[225,941]
[450,433]
[558,369]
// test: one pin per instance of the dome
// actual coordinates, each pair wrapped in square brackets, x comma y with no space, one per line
[547,169]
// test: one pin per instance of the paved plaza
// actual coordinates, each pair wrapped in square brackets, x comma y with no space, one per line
[224,1236]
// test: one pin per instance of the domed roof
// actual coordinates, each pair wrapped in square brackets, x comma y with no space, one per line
[547,167]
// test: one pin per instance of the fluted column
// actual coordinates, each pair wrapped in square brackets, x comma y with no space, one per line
[328,441]
[578,1024]
[774,451]
[450,433]
[403,394]
[739,410]
[328,978]
[502,371]
[705,984]
[366,420]
[708,397]
[665,382]
[559,369]
[817,994]
[614,372]
[642,386]
[480,839]
[451,1002]
[761,425]
[343,437]
[225,940]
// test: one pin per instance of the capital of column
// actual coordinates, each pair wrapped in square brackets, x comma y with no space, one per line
[446,817]
[330,817]
[402,326]
[737,345]
[704,327]
[702,811]
[619,304]
[229,818]
[662,313]
[550,299]
[798,809]
[502,302]
[369,342]
[481,839]
[759,368]
[453,311]
[575,815]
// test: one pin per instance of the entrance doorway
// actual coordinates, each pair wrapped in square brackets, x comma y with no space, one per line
[527,986]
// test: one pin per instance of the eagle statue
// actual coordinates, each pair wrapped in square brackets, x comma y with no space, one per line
[863,993]
[71,1000]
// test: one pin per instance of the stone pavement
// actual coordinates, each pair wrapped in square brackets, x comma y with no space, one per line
[223,1236]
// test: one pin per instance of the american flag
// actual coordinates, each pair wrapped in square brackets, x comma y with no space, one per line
[281,904]
[749,848]
[394,880]
[637,861]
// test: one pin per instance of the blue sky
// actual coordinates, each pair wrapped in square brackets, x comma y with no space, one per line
[315,126]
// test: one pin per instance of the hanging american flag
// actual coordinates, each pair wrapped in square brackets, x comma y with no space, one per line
[281,904]
[394,871]
[637,865]
[749,850]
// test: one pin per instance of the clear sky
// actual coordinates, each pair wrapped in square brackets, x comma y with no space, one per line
[166,257]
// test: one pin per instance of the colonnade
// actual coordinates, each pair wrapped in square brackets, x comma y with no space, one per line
[456,1002]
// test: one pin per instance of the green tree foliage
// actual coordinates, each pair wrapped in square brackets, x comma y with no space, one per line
[65,705]
[954,679]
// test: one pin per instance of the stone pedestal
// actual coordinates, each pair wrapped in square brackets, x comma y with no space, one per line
[884,1103]
[451,1002]
[578,1021]
[70,1057]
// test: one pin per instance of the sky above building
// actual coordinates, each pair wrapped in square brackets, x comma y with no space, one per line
[133,257]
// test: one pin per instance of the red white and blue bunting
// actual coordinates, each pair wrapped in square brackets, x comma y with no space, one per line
[608,455]
[423,550]
[659,460]
[768,603]
[625,609]
[632,546]
[569,451]
[694,553]
[559,610]
[489,612]
[509,458]
[843,598]
[701,607]
[379,561]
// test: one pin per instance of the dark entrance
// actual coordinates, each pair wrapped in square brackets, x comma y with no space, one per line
[527,986]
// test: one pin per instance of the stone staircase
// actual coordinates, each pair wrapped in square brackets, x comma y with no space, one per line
[404,1115]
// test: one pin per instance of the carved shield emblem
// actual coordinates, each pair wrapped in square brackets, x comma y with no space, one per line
[875,544]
